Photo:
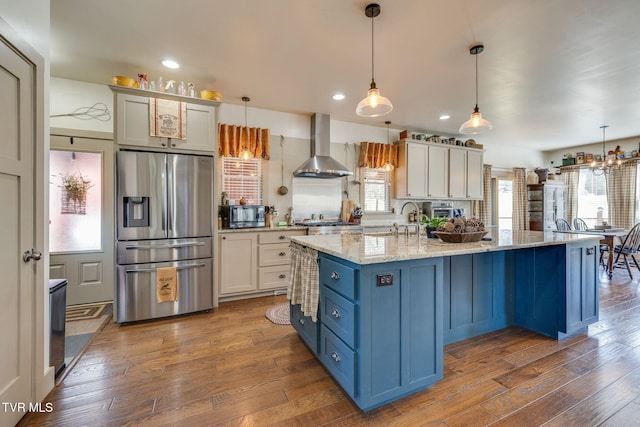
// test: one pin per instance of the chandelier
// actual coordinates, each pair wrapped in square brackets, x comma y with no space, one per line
[607,165]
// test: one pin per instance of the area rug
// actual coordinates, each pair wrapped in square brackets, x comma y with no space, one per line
[279,314]
[81,323]
[86,311]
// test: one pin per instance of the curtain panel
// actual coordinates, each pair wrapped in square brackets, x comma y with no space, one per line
[375,155]
[621,195]
[571,179]
[482,208]
[232,139]
[520,220]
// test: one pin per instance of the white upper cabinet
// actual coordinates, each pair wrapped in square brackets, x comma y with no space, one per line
[438,171]
[411,174]
[133,128]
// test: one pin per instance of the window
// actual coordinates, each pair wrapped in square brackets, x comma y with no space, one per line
[592,198]
[377,190]
[75,208]
[242,178]
[505,203]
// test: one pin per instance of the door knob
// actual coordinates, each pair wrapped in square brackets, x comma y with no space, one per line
[31,254]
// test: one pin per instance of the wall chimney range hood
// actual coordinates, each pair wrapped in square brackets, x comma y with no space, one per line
[321,164]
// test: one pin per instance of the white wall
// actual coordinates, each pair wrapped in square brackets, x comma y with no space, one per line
[30,20]
[70,96]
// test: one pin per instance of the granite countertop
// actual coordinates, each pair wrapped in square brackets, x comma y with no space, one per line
[372,249]
[261,229]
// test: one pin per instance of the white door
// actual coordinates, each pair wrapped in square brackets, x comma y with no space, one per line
[81,217]
[17,87]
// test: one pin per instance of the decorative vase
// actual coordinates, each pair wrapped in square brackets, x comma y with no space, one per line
[532,178]
[542,175]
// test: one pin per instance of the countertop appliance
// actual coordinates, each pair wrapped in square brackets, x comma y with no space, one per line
[164,219]
[331,227]
[242,216]
[442,210]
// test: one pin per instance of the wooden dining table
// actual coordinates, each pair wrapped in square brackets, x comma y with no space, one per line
[608,238]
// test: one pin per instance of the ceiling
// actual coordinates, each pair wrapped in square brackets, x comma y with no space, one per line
[553,71]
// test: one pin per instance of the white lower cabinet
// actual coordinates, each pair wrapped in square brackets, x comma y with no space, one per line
[238,263]
[254,262]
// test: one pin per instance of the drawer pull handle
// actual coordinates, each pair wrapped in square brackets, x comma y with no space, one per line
[301,321]
[335,275]
[335,357]
[335,313]
[282,237]
[282,253]
[282,276]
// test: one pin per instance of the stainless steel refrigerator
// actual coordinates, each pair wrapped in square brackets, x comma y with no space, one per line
[164,219]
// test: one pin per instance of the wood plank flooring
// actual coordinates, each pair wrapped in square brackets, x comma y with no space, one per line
[234,367]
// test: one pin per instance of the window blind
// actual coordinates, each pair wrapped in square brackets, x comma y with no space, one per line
[242,178]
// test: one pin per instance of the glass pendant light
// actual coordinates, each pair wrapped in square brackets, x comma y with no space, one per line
[374,104]
[245,153]
[606,166]
[388,167]
[476,124]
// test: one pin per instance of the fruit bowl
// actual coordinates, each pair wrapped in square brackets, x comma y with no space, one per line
[460,237]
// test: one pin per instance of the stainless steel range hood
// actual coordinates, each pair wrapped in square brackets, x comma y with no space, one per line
[321,164]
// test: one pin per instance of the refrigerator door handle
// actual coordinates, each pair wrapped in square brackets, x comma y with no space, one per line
[175,245]
[152,270]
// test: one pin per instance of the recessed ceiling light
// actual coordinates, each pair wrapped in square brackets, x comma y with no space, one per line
[169,63]
[445,117]
[338,96]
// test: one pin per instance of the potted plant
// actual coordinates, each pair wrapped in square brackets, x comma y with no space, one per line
[430,225]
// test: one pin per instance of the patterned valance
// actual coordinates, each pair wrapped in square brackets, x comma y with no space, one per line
[232,139]
[375,155]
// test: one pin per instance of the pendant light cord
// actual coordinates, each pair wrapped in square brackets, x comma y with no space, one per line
[476,80]
[372,76]
[604,127]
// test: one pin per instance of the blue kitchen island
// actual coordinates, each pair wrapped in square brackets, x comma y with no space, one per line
[388,305]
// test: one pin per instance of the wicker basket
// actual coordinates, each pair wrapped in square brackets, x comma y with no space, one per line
[460,237]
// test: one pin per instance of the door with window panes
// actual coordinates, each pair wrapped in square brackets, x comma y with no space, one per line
[81,218]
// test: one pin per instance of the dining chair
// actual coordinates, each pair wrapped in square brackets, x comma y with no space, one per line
[562,224]
[629,248]
[580,224]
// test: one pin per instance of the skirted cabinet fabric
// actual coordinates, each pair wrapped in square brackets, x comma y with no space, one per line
[303,280]
[233,139]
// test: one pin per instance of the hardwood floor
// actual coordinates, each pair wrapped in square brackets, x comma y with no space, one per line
[234,367]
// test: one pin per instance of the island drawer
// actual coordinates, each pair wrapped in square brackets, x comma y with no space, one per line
[338,314]
[339,359]
[307,329]
[338,277]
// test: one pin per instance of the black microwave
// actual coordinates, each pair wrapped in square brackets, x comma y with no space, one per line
[242,216]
